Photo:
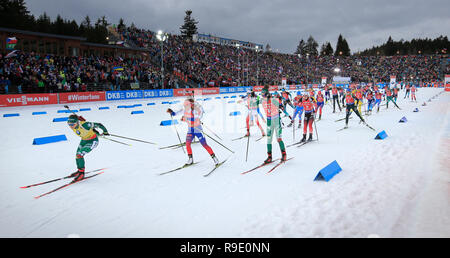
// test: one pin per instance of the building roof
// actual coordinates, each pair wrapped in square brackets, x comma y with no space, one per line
[41,34]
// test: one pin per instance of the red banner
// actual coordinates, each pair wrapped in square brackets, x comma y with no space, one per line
[28,99]
[74,97]
[196,91]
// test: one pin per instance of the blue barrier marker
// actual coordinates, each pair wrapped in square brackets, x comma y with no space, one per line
[168,122]
[11,115]
[233,97]
[49,139]
[103,108]
[39,113]
[218,98]
[85,109]
[236,113]
[67,111]
[226,97]
[137,105]
[121,106]
[151,104]
[328,172]
[416,110]
[137,112]
[403,120]
[165,102]
[60,119]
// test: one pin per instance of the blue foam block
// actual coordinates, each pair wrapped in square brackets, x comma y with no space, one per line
[403,120]
[39,113]
[226,97]
[329,171]
[168,122]
[206,99]
[137,112]
[217,97]
[233,97]
[137,105]
[102,108]
[236,113]
[165,102]
[60,119]
[380,136]
[85,109]
[49,139]
[416,110]
[10,115]
[121,106]
[151,104]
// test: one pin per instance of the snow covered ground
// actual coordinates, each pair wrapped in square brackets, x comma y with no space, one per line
[396,187]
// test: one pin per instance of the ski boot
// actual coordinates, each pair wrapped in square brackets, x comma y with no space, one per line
[190,160]
[79,175]
[299,125]
[304,138]
[269,158]
[310,137]
[283,155]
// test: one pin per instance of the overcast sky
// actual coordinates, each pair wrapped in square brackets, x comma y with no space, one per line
[279,23]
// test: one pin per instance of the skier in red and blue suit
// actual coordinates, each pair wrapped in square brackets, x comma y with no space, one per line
[192,113]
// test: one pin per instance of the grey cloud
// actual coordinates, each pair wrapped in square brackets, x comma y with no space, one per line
[280,23]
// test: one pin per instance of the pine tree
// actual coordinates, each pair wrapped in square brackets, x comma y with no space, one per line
[311,47]
[342,48]
[326,49]
[301,48]
[189,28]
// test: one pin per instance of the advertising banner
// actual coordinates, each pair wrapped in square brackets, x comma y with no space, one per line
[447,82]
[158,93]
[196,91]
[126,94]
[74,97]
[28,99]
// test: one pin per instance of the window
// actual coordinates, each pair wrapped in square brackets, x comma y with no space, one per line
[48,47]
[41,46]
[33,45]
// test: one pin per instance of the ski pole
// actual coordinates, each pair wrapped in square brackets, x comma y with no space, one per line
[315,127]
[211,131]
[248,143]
[132,139]
[215,140]
[178,135]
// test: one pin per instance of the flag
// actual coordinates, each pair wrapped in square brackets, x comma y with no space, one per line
[11,43]
[118,68]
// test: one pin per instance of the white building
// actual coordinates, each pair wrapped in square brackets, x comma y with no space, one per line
[208,38]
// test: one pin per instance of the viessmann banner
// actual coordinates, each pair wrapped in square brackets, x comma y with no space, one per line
[28,99]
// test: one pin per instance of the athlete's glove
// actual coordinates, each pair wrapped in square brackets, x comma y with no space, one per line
[105,133]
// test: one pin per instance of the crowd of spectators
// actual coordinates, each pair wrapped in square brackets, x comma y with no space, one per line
[202,65]
[213,64]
